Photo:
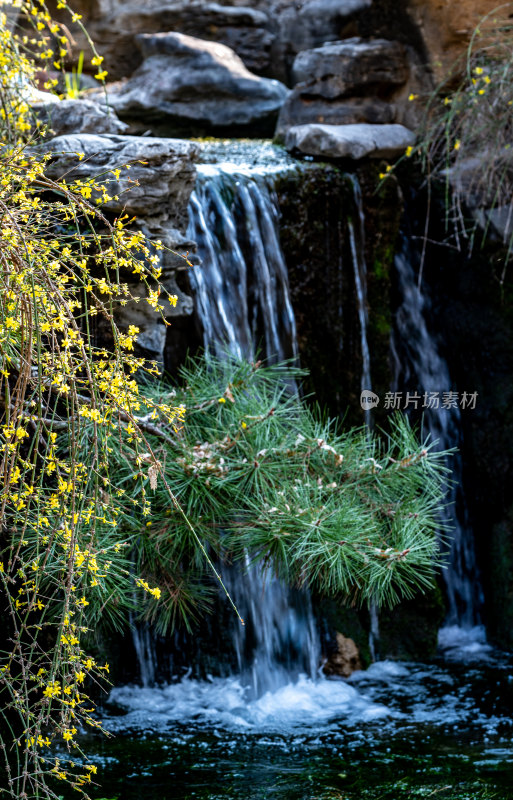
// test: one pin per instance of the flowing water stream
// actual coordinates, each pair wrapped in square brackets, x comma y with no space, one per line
[277,728]
[420,369]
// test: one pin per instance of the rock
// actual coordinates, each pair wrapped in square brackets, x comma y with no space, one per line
[299,110]
[245,30]
[196,86]
[323,18]
[447,29]
[497,222]
[160,179]
[78,116]
[345,660]
[350,141]
[156,188]
[350,68]
[332,81]
[301,26]
[152,329]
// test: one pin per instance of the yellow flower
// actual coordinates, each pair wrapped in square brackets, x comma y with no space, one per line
[52,690]
[457,144]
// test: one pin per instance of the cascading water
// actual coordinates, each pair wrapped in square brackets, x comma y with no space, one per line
[276,728]
[419,368]
[243,303]
[144,647]
[279,641]
[357,241]
[241,290]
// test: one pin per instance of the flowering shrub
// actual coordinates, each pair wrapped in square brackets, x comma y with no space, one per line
[62,564]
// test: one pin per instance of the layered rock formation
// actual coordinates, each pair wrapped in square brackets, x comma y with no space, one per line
[245,30]
[345,83]
[85,116]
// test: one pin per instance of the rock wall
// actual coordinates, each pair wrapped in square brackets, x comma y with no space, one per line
[446,27]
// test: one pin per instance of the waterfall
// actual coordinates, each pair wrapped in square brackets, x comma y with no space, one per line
[241,288]
[243,303]
[357,240]
[279,641]
[419,367]
[144,647]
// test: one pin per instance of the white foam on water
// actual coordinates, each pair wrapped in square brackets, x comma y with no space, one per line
[381,671]
[388,698]
[223,701]
[464,643]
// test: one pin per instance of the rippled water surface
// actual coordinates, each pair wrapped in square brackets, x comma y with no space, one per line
[396,730]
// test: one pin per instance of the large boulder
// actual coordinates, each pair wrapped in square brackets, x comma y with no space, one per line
[312,23]
[245,30]
[194,86]
[159,181]
[350,141]
[322,19]
[156,188]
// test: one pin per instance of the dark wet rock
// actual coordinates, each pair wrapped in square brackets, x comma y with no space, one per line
[197,85]
[410,630]
[350,141]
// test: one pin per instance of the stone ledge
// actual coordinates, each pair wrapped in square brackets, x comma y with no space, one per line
[350,141]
